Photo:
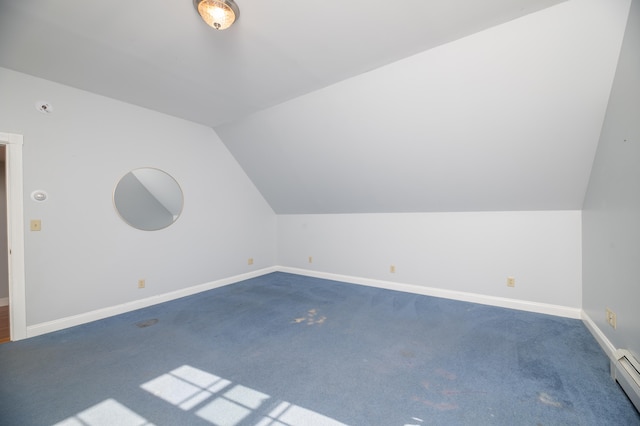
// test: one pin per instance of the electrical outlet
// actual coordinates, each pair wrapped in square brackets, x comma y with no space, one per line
[392,269]
[310,259]
[511,282]
[250,261]
[611,318]
[141,283]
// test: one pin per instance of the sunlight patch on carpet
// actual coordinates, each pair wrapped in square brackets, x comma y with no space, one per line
[106,413]
[221,402]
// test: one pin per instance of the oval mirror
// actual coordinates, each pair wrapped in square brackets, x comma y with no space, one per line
[148,199]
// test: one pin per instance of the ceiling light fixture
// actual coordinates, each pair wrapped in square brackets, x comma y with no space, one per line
[218,14]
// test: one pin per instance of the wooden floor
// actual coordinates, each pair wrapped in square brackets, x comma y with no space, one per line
[4,324]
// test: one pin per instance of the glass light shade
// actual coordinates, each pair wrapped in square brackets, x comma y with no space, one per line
[218,14]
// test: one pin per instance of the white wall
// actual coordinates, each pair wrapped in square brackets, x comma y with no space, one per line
[611,213]
[86,258]
[472,252]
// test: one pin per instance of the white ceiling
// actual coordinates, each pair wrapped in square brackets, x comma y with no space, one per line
[441,105]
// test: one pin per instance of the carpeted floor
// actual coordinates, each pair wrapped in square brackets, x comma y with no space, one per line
[289,350]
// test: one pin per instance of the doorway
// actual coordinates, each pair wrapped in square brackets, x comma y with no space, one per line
[13,254]
[5,333]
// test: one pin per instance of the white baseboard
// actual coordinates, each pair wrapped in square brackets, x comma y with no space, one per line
[62,323]
[522,305]
[4,301]
[600,337]
[543,308]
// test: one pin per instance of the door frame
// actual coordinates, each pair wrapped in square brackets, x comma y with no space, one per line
[15,235]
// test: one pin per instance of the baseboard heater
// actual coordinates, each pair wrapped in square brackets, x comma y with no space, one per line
[625,369]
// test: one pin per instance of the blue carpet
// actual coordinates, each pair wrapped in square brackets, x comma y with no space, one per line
[283,349]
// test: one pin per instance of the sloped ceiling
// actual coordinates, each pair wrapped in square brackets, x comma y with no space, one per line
[444,105]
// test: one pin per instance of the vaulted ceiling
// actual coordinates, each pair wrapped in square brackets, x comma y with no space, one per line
[356,106]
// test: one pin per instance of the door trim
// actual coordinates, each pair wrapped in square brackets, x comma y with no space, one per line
[15,235]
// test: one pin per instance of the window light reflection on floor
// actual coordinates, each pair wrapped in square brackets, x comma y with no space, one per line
[187,387]
[106,413]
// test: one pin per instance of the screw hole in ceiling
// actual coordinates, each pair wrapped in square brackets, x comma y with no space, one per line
[44,107]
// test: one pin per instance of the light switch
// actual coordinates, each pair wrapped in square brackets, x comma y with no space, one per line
[36,225]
